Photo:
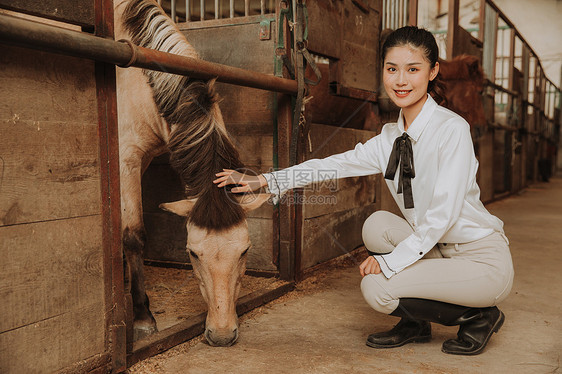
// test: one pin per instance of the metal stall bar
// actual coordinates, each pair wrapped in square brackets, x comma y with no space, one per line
[187,10]
[217,9]
[173,10]
[202,9]
[231,8]
[67,42]
[246,8]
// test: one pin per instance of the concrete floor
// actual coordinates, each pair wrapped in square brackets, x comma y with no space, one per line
[323,329]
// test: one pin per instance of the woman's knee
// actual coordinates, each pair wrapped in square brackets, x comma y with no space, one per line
[383,230]
[376,295]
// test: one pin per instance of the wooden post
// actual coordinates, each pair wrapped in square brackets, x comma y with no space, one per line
[110,191]
[452,27]
[490,42]
[284,219]
[511,66]
[482,20]
[412,13]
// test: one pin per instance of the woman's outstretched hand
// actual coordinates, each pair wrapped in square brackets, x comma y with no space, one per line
[246,182]
[369,266]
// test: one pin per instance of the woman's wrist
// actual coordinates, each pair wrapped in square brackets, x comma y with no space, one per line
[263,181]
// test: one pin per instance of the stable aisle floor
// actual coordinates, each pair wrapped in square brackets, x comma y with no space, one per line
[321,327]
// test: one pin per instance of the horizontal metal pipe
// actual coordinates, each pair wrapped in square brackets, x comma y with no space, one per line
[34,35]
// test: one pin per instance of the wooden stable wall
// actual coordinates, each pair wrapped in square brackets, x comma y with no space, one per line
[334,211]
[52,280]
[61,273]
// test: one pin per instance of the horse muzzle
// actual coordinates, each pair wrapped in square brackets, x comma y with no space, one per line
[221,338]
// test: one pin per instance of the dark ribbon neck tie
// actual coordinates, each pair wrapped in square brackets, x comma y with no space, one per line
[402,154]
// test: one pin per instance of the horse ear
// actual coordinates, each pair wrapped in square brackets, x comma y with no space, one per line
[250,202]
[181,207]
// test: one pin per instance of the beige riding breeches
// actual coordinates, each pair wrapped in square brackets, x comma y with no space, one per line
[473,274]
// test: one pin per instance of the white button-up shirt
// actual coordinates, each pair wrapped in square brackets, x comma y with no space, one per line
[447,206]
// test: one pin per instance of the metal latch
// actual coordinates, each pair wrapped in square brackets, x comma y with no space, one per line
[265,29]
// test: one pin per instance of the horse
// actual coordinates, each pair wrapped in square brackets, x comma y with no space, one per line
[463,78]
[160,112]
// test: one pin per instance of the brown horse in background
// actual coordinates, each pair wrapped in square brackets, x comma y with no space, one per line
[160,112]
[464,82]
[462,77]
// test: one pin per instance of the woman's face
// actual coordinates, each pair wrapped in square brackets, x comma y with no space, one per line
[406,75]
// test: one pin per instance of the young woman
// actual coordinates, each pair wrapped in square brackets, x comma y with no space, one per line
[448,261]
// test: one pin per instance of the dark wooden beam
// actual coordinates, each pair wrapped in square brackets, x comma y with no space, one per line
[110,190]
[78,12]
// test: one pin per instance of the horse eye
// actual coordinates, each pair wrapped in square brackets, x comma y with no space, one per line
[245,252]
[193,254]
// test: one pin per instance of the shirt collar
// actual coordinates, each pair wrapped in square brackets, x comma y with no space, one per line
[421,121]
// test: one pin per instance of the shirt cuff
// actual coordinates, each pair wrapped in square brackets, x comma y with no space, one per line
[384,267]
[273,187]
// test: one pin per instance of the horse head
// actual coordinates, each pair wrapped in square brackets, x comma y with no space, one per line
[218,258]
[464,80]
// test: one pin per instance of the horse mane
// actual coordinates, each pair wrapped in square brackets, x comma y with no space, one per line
[199,144]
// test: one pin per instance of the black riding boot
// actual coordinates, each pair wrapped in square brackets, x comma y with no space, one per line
[406,331]
[410,329]
[476,328]
[476,324]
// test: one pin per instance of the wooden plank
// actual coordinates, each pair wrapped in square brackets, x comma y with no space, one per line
[260,255]
[43,161]
[336,195]
[49,268]
[339,195]
[333,235]
[49,143]
[329,140]
[329,109]
[79,12]
[53,309]
[360,44]
[53,343]
[342,194]
[44,87]
[256,152]
[235,45]
[242,106]
[324,28]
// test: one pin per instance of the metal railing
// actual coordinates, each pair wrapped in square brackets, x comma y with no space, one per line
[201,10]
[29,34]
[397,13]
